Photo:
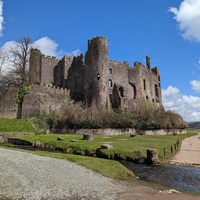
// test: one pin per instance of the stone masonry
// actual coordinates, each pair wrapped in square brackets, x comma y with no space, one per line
[96,81]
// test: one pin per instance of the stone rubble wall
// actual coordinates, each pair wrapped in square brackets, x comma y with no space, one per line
[126,131]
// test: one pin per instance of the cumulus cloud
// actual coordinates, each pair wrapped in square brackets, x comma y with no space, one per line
[188,18]
[195,85]
[75,52]
[1,18]
[187,106]
[47,46]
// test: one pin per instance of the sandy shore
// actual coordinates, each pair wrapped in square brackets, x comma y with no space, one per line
[189,153]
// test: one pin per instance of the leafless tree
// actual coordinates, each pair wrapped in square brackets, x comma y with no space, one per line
[19,60]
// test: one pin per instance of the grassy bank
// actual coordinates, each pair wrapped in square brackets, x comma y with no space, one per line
[16,125]
[123,146]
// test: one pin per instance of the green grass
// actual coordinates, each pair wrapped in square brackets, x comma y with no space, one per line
[16,125]
[122,145]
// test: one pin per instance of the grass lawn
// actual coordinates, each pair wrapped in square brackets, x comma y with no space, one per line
[122,145]
[16,125]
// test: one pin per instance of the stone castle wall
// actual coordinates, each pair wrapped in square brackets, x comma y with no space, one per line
[8,105]
[97,81]
[44,98]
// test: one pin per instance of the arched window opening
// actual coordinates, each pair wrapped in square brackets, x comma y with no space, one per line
[98,76]
[147,98]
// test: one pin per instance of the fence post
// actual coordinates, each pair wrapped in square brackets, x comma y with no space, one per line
[164,151]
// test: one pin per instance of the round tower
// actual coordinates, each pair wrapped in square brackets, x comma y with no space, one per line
[97,65]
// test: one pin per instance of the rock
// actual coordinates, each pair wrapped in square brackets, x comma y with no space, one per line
[106,146]
[152,156]
[142,160]
[88,137]
[1,139]
[73,140]
[60,138]
[37,144]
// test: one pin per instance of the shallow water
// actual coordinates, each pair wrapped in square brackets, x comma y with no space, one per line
[175,177]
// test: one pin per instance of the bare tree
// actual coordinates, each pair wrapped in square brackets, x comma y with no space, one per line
[19,60]
[2,60]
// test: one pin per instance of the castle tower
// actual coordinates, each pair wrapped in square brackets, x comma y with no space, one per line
[96,74]
[35,66]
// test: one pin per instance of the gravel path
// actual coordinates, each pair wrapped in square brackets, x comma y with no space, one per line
[189,152]
[32,177]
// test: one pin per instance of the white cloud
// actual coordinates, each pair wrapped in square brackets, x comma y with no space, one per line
[5,55]
[187,106]
[195,85]
[188,18]
[75,52]
[47,46]
[1,18]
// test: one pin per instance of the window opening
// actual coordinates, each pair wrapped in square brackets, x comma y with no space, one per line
[135,91]
[144,83]
[121,89]
[156,90]
[110,71]
[110,83]
[98,76]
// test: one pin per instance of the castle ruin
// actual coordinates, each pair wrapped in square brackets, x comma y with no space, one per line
[96,81]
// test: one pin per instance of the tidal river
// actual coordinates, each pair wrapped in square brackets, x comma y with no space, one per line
[175,177]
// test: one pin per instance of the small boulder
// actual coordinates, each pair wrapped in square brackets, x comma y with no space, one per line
[106,146]
[73,140]
[142,160]
[60,138]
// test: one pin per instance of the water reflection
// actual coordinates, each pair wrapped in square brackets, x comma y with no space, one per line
[176,177]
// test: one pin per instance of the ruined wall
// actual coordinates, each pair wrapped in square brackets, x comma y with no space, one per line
[8,105]
[122,94]
[76,79]
[47,70]
[44,98]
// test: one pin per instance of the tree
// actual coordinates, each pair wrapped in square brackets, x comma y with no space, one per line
[2,60]
[18,56]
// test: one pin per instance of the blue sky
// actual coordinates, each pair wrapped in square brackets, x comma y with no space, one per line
[167,31]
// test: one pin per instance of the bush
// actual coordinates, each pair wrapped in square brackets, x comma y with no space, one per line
[75,117]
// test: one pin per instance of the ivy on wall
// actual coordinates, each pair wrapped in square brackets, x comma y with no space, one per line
[21,94]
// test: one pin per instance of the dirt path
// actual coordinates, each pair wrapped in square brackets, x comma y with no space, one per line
[189,153]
